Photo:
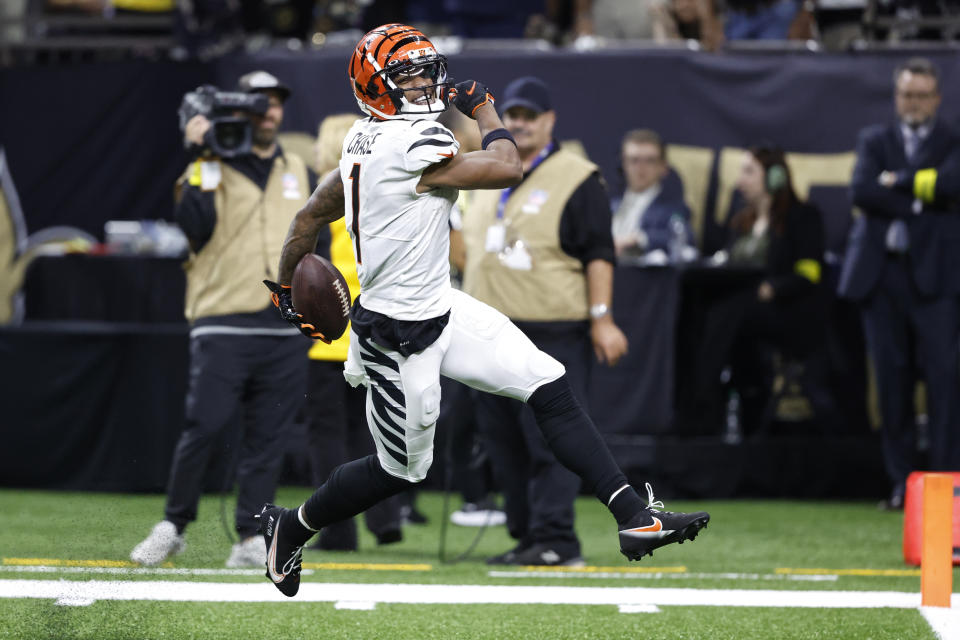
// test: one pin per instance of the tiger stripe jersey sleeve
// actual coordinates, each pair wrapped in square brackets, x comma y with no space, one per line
[428,142]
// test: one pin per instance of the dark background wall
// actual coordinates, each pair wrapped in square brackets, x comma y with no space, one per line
[90,143]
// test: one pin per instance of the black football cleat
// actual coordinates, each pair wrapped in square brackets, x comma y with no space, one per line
[284,558]
[653,528]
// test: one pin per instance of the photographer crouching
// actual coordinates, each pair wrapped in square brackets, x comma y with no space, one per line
[234,202]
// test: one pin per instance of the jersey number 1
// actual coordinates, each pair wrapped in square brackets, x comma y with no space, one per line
[355,192]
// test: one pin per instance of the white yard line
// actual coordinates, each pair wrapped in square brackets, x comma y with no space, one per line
[139,571]
[639,608]
[594,575]
[945,622]
[358,606]
[588,575]
[82,591]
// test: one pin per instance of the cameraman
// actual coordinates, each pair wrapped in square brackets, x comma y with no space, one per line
[246,363]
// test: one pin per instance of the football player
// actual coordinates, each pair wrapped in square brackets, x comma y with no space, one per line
[398,179]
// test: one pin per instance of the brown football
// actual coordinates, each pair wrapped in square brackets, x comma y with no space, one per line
[321,295]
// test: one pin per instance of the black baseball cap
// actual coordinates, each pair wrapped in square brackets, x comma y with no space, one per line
[259,81]
[528,92]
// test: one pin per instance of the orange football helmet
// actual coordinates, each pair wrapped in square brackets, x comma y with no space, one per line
[386,53]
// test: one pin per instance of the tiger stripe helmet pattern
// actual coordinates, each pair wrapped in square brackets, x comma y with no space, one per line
[381,56]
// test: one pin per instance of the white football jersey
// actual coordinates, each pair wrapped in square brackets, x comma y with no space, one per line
[401,238]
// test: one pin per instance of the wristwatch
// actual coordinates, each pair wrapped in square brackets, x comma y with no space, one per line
[598,311]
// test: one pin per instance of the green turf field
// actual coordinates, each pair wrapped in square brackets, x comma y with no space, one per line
[799,559]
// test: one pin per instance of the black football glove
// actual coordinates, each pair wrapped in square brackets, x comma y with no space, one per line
[280,294]
[470,95]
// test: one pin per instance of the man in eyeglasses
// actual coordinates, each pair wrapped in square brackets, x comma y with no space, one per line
[903,267]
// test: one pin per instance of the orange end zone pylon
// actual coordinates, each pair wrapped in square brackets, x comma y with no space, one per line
[913,518]
[936,566]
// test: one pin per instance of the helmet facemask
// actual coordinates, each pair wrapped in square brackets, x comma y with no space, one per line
[411,101]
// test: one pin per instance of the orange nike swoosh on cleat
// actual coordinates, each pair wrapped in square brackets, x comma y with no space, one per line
[447,155]
[472,87]
[650,528]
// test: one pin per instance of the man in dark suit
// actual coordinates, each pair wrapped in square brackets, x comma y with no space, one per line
[651,214]
[903,266]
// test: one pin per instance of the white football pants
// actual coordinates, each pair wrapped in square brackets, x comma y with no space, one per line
[479,347]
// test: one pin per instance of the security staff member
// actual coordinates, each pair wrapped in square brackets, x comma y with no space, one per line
[245,362]
[542,253]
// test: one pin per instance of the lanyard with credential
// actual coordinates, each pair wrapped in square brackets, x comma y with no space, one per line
[506,193]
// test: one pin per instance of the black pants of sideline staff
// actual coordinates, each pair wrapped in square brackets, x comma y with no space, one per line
[538,491]
[899,323]
[262,376]
[740,330]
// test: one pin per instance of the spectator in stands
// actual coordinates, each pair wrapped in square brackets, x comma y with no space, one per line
[247,365]
[918,19]
[491,18]
[614,19]
[783,239]
[337,427]
[685,20]
[144,6]
[109,6]
[86,6]
[903,266]
[211,28]
[542,253]
[13,21]
[769,20]
[644,216]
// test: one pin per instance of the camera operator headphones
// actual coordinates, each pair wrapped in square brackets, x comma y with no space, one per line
[776,178]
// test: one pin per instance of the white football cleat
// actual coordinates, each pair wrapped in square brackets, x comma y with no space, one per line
[474,515]
[251,552]
[162,543]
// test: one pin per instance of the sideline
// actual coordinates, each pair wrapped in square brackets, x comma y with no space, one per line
[944,622]
[181,591]
[310,568]
[537,572]
[122,567]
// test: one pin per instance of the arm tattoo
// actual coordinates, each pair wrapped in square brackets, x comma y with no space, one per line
[323,207]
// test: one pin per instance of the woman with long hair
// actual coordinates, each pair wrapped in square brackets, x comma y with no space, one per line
[783,238]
